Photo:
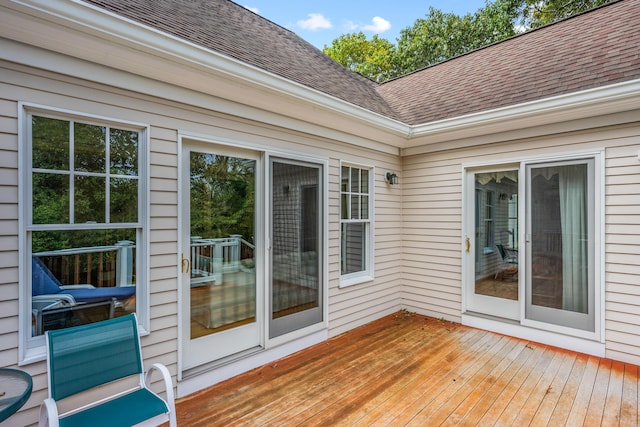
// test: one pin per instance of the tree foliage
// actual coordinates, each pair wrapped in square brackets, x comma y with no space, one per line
[372,58]
[222,196]
[440,36]
[537,13]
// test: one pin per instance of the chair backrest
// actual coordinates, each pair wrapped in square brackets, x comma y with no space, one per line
[87,356]
[43,282]
[503,253]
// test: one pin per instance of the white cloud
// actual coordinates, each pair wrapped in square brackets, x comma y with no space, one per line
[315,22]
[252,9]
[379,25]
[350,26]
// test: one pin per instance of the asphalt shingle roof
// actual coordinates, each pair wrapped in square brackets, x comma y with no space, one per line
[594,49]
[597,48]
[225,27]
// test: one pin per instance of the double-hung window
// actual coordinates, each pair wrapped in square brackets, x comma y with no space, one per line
[83,186]
[356,201]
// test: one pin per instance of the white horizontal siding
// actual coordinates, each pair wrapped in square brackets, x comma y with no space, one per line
[432,212]
[622,249]
[348,307]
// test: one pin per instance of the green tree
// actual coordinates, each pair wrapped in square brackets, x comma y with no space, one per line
[537,13]
[222,196]
[371,58]
[440,36]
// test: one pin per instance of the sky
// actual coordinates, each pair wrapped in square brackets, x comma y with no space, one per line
[321,21]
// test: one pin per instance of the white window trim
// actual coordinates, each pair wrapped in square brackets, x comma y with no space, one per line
[366,275]
[32,349]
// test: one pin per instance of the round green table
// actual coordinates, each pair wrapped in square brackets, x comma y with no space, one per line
[15,389]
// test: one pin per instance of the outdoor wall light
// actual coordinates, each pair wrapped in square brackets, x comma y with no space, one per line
[391,178]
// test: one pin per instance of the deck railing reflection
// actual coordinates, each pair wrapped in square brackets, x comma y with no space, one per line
[210,258]
[100,266]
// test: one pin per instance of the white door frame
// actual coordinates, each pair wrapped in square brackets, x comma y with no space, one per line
[221,345]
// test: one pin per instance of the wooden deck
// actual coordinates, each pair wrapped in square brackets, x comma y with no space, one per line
[407,369]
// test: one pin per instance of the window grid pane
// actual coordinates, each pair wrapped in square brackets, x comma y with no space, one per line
[89,204]
[50,143]
[89,146]
[354,210]
[67,153]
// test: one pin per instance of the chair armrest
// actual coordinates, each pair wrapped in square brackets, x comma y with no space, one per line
[48,413]
[168,385]
[54,297]
[68,287]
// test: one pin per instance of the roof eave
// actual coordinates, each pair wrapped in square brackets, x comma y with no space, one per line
[149,56]
[475,128]
[182,60]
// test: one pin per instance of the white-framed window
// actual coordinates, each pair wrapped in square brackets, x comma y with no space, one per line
[489,221]
[83,232]
[356,211]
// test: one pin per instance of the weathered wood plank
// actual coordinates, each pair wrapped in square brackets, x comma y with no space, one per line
[449,397]
[630,405]
[532,399]
[583,395]
[406,369]
[484,386]
[595,409]
[613,397]
[553,394]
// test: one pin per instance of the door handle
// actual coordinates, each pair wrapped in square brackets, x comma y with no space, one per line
[467,244]
[186,264]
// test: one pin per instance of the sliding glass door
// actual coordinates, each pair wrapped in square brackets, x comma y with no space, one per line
[560,244]
[252,252]
[530,244]
[492,244]
[220,253]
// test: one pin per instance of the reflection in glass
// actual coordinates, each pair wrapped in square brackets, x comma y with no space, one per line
[50,139]
[496,242]
[223,275]
[354,247]
[124,200]
[50,198]
[89,200]
[89,148]
[123,152]
[97,269]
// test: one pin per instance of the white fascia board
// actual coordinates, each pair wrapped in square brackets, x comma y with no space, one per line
[89,19]
[597,102]
[320,113]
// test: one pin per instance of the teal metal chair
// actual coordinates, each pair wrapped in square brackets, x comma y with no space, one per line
[96,378]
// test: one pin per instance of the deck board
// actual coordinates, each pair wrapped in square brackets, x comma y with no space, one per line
[408,369]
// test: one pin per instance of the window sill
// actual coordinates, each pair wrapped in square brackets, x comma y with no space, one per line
[33,355]
[347,281]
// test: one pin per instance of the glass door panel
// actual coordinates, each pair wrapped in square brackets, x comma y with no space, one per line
[560,285]
[492,250]
[296,246]
[221,294]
